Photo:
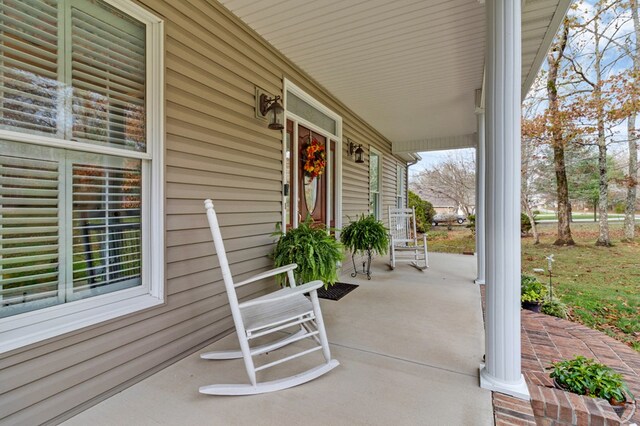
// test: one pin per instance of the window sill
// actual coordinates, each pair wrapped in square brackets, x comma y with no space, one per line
[51,323]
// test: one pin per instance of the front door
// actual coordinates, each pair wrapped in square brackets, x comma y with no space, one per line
[314,175]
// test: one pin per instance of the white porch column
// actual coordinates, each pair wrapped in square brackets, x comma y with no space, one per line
[480,195]
[502,371]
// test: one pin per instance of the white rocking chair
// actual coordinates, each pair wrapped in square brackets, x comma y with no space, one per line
[267,314]
[404,239]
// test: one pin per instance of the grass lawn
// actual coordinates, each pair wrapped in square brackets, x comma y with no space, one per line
[600,285]
[575,216]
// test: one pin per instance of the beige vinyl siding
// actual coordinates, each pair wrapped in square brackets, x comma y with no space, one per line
[214,148]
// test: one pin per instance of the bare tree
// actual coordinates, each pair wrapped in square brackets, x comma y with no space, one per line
[596,64]
[453,179]
[632,177]
[554,60]
[531,140]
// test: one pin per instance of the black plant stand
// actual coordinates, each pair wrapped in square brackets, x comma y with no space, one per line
[366,265]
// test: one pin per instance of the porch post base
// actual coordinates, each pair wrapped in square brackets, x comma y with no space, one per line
[478,281]
[518,389]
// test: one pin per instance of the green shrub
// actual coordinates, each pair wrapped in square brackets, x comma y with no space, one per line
[316,252]
[424,212]
[555,308]
[531,290]
[585,376]
[619,208]
[472,223]
[525,224]
[365,235]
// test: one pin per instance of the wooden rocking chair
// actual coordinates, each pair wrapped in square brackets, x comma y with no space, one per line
[404,239]
[267,314]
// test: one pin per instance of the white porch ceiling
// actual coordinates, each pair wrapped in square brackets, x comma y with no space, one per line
[408,67]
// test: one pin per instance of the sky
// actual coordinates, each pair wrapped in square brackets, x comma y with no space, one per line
[431,158]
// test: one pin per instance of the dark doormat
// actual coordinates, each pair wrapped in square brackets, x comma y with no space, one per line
[336,291]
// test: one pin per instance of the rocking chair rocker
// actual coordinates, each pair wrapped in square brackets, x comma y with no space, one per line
[404,239]
[267,314]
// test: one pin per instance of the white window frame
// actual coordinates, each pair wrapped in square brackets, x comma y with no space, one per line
[400,185]
[35,326]
[377,214]
[337,137]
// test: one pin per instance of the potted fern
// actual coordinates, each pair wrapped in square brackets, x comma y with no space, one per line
[365,237]
[313,249]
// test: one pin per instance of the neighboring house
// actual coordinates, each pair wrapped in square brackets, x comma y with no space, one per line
[441,203]
[119,117]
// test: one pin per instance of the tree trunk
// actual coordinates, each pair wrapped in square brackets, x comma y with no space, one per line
[603,199]
[564,206]
[632,179]
[534,227]
[603,179]
[562,186]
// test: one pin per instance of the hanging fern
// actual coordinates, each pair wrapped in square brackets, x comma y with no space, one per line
[365,235]
[316,252]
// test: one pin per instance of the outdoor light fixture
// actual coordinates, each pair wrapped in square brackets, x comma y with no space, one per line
[356,149]
[270,108]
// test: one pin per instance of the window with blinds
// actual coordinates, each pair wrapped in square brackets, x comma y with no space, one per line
[375,205]
[71,218]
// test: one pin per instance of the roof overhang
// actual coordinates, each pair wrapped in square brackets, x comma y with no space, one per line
[410,69]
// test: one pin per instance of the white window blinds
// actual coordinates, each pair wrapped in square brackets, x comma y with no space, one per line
[106,227]
[29,226]
[108,77]
[29,66]
[81,78]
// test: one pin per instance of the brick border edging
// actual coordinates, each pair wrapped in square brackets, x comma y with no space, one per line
[552,406]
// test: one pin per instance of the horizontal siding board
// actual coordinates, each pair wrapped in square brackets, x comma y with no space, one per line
[197,80]
[237,180]
[176,254]
[196,206]
[254,258]
[212,123]
[187,283]
[226,219]
[217,193]
[189,236]
[180,56]
[214,108]
[231,59]
[201,142]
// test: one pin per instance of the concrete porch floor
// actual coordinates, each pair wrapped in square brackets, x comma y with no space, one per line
[409,344]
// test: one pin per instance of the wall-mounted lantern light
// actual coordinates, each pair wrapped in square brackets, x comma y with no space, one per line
[356,150]
[270,108]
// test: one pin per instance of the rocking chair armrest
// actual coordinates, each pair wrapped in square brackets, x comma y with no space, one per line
[283,293]
[267,274]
